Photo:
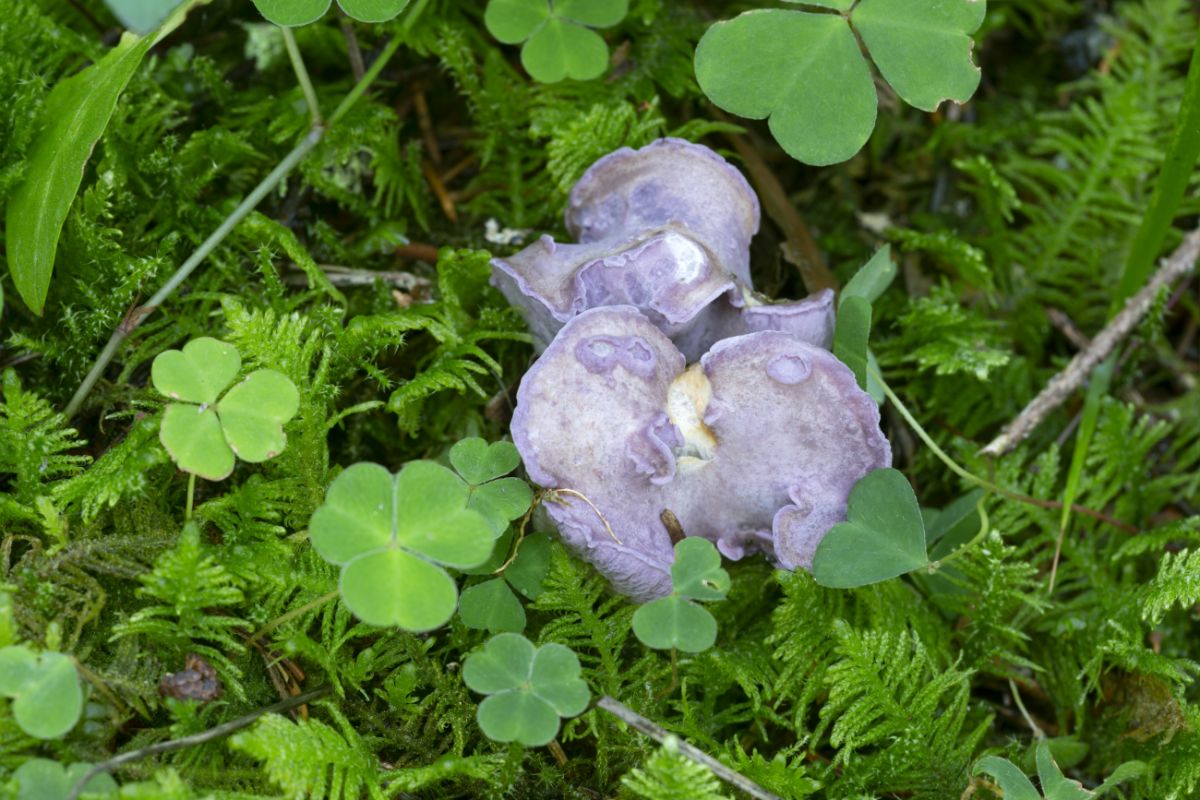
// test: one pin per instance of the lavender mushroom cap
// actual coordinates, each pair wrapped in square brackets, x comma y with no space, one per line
[666,229]
[756,447]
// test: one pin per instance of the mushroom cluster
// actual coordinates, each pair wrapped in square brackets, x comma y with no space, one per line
[670,399]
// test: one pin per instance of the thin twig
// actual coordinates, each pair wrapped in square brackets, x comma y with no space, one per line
[1062,385]
[663,737]
[224,729]
[348,276]
[357,67]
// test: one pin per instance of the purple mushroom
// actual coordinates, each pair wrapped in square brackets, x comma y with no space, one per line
[755,447]
[666,229]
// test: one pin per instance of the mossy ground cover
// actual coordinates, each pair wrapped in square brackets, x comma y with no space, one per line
[362,279]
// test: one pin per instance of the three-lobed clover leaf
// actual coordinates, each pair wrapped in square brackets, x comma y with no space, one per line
[207,432]
[804,72]
[43,779]
[529,688]
[675,621]
[483,466]
[492,605]
[557,35]
[853,329]
[392,534]
[883,535]
[294,13]
[44,688]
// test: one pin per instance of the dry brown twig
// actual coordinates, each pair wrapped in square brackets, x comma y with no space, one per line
[1062,385]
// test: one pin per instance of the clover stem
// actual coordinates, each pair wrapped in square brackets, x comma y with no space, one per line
[187,516]
[984,529]
[310,94]
[137,315]
[983,483]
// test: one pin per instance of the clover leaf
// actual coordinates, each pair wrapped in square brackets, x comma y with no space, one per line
[43,779]
[853,330]
[294,13]
[528,688]
[392,534]
[804,72]
[675,621]
[883,535]
[44,688]
[492,605]
[204,434]
[483,466]
[557,36]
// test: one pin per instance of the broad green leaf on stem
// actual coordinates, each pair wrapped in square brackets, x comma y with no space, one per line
[501,501]
[561,49]
[836,5]
[192,436]
[674,622]
[491,606]
[801,71]
[1008,777]
[696,572]
[44,688]
[883,535]
[873,278]
[852,334]
[531,565]
[923,49]
[557,36]
[76,113]
[514,21]
[1055,785]
[393,587]
[479,462]
[593,13]
[43,779]
[373,10]
[253,413]
[529,688]
[392,534]
[292,13]
[198,373]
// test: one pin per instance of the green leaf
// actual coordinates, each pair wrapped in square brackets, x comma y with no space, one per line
[514,21]
[77,111]
[292,13]
[479,462]
[501,501]
[504,663]
[518,716]
[923,49]
[696,572]
[555,676]
[955,525]
[491,606]
[851,335]
[43,779]
[561,49]
[883,535]
[141,16]
[44,687]
[1055,785]
[873,278]
[593,13]
[393,587]
[253,413]
[530,688]
[803,72]
[530,567]
[198,373]
[192,435]
[1124,772]
[1008,777]
[391,533]
[373,10]
[674,622]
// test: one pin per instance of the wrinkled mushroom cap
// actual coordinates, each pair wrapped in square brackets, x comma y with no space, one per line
[756,447]
[669,181]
